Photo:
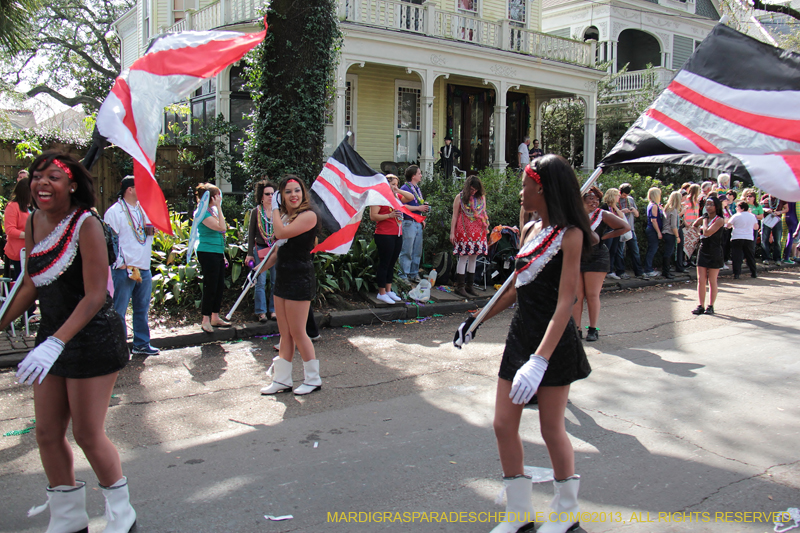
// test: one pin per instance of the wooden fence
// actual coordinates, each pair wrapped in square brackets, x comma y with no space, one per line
[109,171]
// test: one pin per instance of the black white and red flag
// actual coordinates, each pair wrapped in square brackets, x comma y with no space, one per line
[735,107]
[174,65]
[344,188]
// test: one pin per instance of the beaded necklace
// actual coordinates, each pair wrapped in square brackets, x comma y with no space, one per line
[264,222]
[138,230]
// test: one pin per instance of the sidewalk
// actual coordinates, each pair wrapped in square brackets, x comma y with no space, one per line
[14,349]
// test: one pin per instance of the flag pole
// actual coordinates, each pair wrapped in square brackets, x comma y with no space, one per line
[478,319]
[251,280]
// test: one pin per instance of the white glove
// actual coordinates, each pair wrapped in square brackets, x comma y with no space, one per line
[279,242]
[462,337]
[276,200]
[527,379]
[38,362]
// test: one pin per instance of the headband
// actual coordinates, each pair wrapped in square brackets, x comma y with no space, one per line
[64,167]
[532,174]
[292,180]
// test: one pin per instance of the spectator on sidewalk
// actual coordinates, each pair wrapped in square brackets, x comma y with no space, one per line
[743,225]
[771,227]
[789,227]
[131,274]
[691,212]
[411,252]
[611,204]
[627,205]
[655,223]
[22,175]
[14,220]
[595,267]
[388,240]
[259,241]
[211,256]
[536,151]
[672,215]
[468,228]
[709,254]
[523,155]
[729,207]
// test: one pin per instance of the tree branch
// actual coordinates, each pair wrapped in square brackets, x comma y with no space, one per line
[42,89]
[774,8]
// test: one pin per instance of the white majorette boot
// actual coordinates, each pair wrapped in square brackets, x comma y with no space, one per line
[281,372]
[519,508]
[119,512]
[565,508]
[67,509]
[312,380]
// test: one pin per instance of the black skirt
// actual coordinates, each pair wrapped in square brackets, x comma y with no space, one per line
[599,261]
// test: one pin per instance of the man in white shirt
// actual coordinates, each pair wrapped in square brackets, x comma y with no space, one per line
[523,157]
[131,272]
[744,224]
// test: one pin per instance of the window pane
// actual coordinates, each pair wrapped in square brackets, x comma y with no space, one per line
[468,5]
[211,109]
[516,10]
[408,108]
[237,78]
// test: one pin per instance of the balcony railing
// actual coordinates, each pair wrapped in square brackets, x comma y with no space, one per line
[424,19]
[639,79]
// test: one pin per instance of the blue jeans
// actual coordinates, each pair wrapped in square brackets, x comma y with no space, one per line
[261,288]
[411,252]
[652,248]
[613,253]
[776,241]
[632,245]
[125,290]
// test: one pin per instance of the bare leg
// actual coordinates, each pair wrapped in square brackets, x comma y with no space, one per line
[51,406]
[552,404]
[287,342]
[88,401]
[506,429]
[702,275]
[593,284]
[296,315]
[712,283]
[577,308]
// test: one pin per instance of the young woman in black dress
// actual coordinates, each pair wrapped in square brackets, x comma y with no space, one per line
[80,345]
[710,254]
[543,354]
[295,285]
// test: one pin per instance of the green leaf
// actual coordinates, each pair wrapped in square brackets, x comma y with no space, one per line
[236,271]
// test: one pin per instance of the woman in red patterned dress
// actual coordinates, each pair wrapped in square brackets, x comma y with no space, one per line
[468,230]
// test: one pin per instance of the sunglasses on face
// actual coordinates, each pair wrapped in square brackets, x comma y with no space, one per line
[268,194]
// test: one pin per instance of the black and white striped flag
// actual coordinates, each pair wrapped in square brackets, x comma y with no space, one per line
[735,107]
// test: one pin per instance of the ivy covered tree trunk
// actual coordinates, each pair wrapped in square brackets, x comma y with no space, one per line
[291,75]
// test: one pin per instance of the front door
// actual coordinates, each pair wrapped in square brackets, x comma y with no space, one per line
[517,125]
[470,122]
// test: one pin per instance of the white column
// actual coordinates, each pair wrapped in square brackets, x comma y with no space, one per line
[613,45]
[537,119]
[426,159]
[339,105]
[589,131]
[501,89]
[223,102]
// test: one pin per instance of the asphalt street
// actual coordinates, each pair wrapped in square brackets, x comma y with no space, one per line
[683,420]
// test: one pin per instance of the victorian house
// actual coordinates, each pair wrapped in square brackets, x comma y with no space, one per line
[410,73]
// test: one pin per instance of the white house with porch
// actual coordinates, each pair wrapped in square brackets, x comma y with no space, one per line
[410,73]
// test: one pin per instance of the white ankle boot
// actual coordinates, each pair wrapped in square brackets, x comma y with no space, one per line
[281,372]
[519,508]
[67,509]
[312,380]
[565,508]
[119,512]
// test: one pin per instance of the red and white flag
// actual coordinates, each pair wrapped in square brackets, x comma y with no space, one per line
[735,107]
[345,187]
[174,65]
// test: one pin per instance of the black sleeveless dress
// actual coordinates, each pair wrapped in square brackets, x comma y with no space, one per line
[710,255]
[56,268]
[536,304]
[294,271]
[599,260]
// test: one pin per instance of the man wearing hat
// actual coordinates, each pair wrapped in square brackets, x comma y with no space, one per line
[131,272]
[449,154]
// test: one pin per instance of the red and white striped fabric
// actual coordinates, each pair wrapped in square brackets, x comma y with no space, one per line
[734,106]
[175,65]
[344,188]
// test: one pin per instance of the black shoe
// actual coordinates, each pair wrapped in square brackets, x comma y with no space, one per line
[736,276]
[580,334]
[591,334]
[680,271]
[699,311]
[753,275]
[710,310]
[669,275]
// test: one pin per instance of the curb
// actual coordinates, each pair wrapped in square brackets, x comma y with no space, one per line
[365,317]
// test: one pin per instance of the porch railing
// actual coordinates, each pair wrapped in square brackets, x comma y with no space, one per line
[424,19]
[639,79]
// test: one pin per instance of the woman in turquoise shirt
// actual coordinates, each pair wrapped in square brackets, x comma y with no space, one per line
[211,256]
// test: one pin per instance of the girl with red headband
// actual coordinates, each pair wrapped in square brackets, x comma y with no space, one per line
[80,346]
[294,221]
[543,354]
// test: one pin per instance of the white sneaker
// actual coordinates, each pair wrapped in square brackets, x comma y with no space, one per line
[385,298]
[612,275]
[394,296]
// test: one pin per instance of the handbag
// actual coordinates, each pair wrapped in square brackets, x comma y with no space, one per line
[262,252]
[625,237]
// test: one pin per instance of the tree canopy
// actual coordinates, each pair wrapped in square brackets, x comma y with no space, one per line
[71,51]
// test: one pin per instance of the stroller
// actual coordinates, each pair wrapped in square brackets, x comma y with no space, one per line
[503,247]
